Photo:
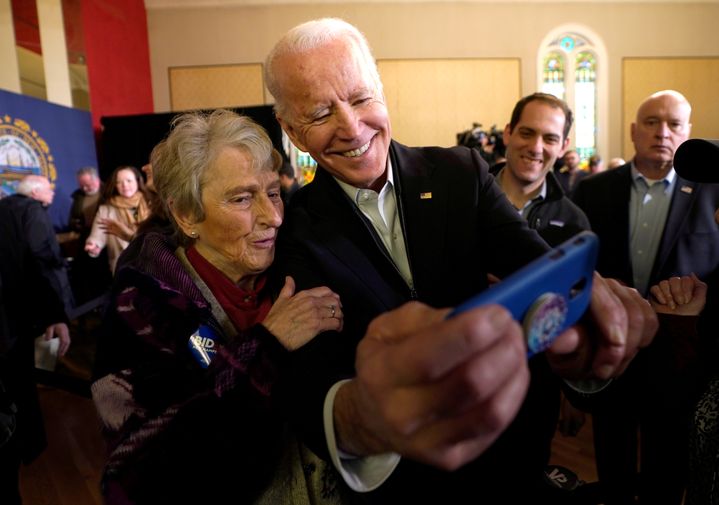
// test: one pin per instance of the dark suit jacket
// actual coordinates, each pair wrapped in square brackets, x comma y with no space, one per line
[458,226]
[563,177]
[39,237]
[690,242]
[30,304]
[555,217]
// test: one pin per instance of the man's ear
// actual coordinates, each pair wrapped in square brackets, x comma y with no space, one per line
[506,134]
[565,145]
[632,131]
[291,133]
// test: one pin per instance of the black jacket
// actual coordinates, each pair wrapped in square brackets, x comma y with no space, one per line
[563,176]
[556,218]
[690,242]
[458,226]
[31,218]
[30,304]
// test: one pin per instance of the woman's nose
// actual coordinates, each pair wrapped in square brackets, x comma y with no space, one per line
[269,212]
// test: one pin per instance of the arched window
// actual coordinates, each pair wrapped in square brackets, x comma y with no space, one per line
[553,80]
[572,60]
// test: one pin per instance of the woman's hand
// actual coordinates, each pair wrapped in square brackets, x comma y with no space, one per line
[295,319]
[117,228]
[92,249]
[683,296]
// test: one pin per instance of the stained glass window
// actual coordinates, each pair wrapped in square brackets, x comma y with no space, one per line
[569,72]
[553,75]
[585,103]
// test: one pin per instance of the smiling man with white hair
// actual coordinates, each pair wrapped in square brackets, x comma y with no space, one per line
[385,224]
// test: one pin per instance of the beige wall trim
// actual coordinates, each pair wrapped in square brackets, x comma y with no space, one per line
[602,78]
[213,86]
[695,77]
[189,4]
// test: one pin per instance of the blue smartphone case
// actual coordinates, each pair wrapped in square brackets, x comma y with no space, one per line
[549,294]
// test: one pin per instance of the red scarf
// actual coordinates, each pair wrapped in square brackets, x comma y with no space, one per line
[244,308]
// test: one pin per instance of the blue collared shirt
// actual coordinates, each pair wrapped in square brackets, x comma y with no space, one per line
[648,209]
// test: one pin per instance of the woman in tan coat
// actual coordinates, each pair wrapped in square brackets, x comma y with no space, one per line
[125,205]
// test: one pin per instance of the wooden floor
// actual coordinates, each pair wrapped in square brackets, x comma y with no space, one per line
[68,472]
[576,453]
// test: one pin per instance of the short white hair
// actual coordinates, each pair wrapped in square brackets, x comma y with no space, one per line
[30,183]
[311,35]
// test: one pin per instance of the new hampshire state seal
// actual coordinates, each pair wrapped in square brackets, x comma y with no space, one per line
[22,152]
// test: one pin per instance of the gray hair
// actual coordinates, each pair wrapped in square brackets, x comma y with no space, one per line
[179,162]
[311,35]
[30,183]
[87,171]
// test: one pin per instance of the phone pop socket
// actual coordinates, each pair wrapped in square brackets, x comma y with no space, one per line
[543,321]
[548,295]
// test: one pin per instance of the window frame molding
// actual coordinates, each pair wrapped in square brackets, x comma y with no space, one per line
[602,105]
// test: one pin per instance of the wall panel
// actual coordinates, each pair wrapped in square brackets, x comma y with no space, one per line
[695,78]
[431,100]
[210,87]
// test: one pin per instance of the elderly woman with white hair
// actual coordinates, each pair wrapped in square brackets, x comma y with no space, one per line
[195,332]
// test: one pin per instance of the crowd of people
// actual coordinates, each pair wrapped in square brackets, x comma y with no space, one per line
[42,289]
[299,350]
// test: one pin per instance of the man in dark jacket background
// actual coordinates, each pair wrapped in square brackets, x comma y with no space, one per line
[653,224]
[538,134]
[29,208]
[31,306]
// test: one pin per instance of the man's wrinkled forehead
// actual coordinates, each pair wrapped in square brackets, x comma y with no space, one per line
[305,75]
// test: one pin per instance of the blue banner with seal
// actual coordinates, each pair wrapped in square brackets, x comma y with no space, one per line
[42,138]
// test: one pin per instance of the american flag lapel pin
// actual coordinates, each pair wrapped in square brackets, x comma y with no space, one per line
[425,196]
[686,189]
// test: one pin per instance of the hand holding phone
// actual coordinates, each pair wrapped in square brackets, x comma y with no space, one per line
[549,294]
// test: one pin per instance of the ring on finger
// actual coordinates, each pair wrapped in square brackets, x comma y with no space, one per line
[333,310]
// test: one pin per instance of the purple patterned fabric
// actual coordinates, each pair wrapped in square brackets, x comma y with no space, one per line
[152,395]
